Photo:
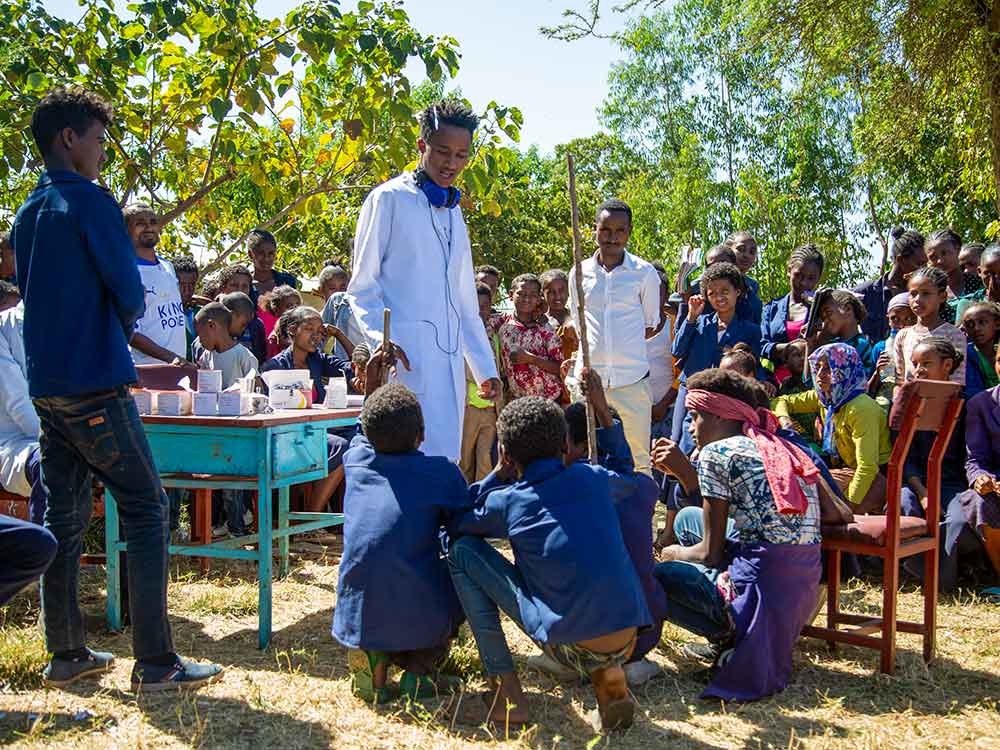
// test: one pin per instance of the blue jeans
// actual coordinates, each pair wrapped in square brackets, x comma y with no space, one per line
[693,601]
[26,550]
[689,528]
[101,434]
[486,583]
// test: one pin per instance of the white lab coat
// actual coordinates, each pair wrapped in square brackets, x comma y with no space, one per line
[19,425]
[416,260]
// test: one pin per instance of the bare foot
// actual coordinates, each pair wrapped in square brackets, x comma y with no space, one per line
[508,705]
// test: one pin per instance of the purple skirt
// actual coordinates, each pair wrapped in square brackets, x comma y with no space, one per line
[776,587]
[980,511]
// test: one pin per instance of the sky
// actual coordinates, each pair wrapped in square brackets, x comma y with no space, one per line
[558,86]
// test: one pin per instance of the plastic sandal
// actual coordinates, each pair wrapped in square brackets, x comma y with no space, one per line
[363,665]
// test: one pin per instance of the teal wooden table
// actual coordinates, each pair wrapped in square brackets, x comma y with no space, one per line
[262,452]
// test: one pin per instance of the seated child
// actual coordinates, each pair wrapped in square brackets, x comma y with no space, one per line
[634,495]
[842,316]
[977,510]
[246,327]
[571,588]
[479,428]
[855,431]
[981,323]
[934,358]
[304,328]
[529,348]
[272,306]
[883,380]
[702,337]
[754,611]
[219,351]
[396,604]
[928,288]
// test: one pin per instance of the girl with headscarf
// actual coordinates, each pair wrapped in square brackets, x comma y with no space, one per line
[853,429]
[763,489]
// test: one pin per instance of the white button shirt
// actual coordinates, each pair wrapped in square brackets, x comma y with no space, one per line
[620,305]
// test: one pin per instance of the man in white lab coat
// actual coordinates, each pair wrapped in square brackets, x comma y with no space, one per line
[412,255]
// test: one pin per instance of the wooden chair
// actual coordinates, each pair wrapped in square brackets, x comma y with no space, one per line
[933,406]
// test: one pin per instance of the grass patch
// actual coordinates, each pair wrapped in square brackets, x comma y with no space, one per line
[229,601]
[22,658]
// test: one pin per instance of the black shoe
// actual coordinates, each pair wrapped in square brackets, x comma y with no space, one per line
[63,672]
[181,675]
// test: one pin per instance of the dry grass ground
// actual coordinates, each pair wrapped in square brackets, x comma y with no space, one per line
[296,694]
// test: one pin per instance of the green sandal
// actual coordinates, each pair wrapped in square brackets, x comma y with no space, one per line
[416,687]
[363,665]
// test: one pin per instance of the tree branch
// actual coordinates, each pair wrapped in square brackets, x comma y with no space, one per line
[195,197]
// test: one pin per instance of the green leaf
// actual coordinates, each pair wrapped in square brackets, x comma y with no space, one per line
[133,30]
[220,108]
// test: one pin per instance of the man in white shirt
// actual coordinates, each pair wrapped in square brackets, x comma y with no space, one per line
[412,255]
[161,332]
[622,305]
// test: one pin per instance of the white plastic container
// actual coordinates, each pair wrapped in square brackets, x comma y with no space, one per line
[336,393]
[289,389]
[209,381]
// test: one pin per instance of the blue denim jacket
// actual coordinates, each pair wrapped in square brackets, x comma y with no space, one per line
[772,325]
[81,287]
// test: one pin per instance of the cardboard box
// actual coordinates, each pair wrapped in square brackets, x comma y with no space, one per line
[209,381]
[172,403]
[235,404]
[143,401]
[205,404]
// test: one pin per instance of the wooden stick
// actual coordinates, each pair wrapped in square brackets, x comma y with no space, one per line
[581,318]
[387,357]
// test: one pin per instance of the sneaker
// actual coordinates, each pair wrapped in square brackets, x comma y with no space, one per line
[220,532]
[547,665]
[62,672]
[181,675]
[247,519]
[640,672]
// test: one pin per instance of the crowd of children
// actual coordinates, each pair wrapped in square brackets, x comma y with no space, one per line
[754,424]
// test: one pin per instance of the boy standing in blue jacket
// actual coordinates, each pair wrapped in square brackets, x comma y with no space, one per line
[70,233]
[571,588]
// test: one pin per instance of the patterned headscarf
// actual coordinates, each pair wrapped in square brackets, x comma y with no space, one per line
[849,381]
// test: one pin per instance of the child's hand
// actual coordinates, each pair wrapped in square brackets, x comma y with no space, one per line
[695,307]
[883,361]
[489,390]
[567,335]
[984,485]
[520,357]
[593,391]
[669,458]
[272,337]
[565,367]
[671,553]
[332,330]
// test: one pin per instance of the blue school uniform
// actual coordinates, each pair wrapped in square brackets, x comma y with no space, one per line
[634,496]
[772,325]
[578,580]
[748,307]
[700,347]
[394,592]
[320,366]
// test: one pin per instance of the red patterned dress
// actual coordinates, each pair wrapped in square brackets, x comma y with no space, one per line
[536,338]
